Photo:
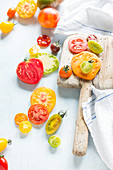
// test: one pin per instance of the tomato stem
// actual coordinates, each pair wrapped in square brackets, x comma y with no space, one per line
[62,113]
[9,141]
[66,68]
[91,61]
[25,59]
[1,156]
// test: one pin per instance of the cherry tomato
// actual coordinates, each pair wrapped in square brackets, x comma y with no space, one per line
[44,96]
[65,72]
[77,45]
[6,26]
[20,117]
[38,114]
[26,8]
[54,141]
[25,127]
[55,47]
[11,12]
[44,41]
[3,143]
[86,67]
[48,17]
[54,122]
[30,71]
[34,50]
[3,163]
[91,37]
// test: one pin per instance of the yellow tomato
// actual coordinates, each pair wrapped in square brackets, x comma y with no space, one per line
[44,96]
[34,50]
[3,143]
[25,127]
[6,26]
[26,8]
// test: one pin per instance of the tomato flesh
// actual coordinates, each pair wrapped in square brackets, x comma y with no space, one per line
[25,127]
[54,141]
[77,45]
[38,114]
[3,164]
[20,117]
[44,41]
[53,124]
[30,71]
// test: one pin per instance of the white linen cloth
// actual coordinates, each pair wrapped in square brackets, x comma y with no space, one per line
[93,16]
[98,115]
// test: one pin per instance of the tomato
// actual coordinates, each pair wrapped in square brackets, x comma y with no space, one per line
[55,47]
[47,3]
[11,12]
[6,26]
[48,17]
[38,114]
[3,163]
[20,117]
[91,37]
[25,126]
[44,41]
[44,96]
[30,71]
[77,45]
[95,47]
[3,143]
[54,141]
[86,67]
[34,50]
[26,8]
[54,122]
[65,72]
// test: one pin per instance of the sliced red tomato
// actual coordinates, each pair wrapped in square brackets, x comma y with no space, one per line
[44,41]
[30,71]
[38,114]
[77,45]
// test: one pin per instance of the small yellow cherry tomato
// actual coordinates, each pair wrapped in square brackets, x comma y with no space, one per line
[6,26]
[34,50]
[25,127]
[3,143]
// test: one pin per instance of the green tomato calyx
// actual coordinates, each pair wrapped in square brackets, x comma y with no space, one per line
[9,141]
[62,113]
[1,156]
[66,68]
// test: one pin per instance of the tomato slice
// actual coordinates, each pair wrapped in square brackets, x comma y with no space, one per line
[53,124]
[54,141]
[25,127]
[44,96]
[43,41]
[38,114]
[20,117]
[77,45]
[34,50]
[30,71]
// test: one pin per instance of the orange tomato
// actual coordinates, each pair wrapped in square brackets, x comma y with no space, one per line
[85,56]
[20,117]
[65,72]
[11,12]
[26,8]
[44,96]
[48,17]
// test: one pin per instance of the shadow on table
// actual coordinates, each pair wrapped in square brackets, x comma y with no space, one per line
[26,21]
[26,86]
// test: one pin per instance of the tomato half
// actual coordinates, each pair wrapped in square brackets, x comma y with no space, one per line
[77,45]
[3,163]
[48,17]
[34,50]
[25,127]
[54,141]
[26,8]
[53,124]
[38,114]
[30,71]
[20,117]
[44,41]
[44,96]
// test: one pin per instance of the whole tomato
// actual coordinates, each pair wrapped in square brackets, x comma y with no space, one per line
[48,17]
[3,163]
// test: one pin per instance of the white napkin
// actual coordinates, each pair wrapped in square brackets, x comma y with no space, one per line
[98,115]
[86,16]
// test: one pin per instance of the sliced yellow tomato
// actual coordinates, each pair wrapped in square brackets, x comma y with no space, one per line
[34,50]
[26,8]
[25,127]
[44,96]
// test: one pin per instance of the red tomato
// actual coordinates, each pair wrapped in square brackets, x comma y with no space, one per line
[30,71]
[91,37]
[77,45]
[11,12]
[48,17]
[38,114]
[44,41]
[3,163]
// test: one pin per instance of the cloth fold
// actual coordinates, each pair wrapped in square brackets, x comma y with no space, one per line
[98,115]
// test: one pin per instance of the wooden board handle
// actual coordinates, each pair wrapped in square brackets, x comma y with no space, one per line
[81,131]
